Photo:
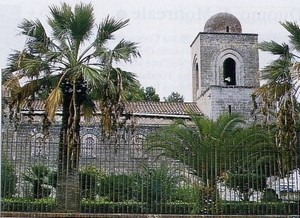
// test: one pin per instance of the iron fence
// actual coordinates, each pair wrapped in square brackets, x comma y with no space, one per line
[122,176]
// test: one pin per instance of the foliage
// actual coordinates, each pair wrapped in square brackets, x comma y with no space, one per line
[210,148]
[207,147]
[90,178]
[28,204]
[142,94]
[150,94]
[279,96]
[41,177]
[155,185]
[8,178]
[246,184]
[174,97]
[136,94]
[102,206]
[73,67]
[117,188]
[269,195]
[259,208]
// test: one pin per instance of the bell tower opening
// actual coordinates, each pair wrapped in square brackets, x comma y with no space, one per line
[229,69]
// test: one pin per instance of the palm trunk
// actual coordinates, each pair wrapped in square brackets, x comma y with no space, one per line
[68,193]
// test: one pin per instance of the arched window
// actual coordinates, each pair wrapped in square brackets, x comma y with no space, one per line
[229,69]
[38,146]
[88,145]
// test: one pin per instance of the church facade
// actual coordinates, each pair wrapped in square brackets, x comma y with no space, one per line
[225,64]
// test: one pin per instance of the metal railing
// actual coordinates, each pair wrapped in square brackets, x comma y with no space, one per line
[125,177]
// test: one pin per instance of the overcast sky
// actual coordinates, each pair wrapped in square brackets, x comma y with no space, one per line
[164,29]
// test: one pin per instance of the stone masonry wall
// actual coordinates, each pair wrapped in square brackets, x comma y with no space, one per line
[237,98]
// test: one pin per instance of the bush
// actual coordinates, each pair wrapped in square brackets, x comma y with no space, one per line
[101,206]
[117,188]
[269,195]
[155,186]
[259,208]
[8,178]
[89,182]
[28,205]
[40,177]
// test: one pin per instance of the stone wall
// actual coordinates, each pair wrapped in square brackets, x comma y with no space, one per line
[214,96]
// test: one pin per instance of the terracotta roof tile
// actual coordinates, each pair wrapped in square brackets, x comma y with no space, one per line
[142,108]
[161,108]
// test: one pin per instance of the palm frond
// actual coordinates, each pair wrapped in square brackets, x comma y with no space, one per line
[294,30]
[37,40]
[92,76]
[125,51]
[274,48]
[52,103]
[106,29]
[82,22]
[60,21]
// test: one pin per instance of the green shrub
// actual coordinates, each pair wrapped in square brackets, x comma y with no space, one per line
[8,178]
[155,186]
[259,208]
[185,194]
[269,195]
[89,182]
[101,206]
[104,206]
[117,188]
[205,200]
[28,205]
[40,177]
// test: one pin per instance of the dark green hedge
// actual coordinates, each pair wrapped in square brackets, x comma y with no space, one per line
[87,206]
[28,205]
[253,208]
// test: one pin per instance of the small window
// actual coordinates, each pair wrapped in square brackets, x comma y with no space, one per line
[227,29]
[229,109]
[197,76]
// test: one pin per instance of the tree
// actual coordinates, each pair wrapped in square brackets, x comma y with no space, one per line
[143,94]
[174,97]
[279,95]
[210,148]
[66,69]
[150,94]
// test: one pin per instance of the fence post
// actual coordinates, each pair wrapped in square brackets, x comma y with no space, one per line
[1,144]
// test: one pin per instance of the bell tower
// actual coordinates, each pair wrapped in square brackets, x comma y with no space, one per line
[225,66]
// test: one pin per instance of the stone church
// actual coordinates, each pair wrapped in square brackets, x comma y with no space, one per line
[225,65]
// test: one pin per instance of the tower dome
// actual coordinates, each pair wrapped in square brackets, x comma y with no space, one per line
[223,23]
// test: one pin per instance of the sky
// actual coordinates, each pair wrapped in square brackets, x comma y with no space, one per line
[164,30]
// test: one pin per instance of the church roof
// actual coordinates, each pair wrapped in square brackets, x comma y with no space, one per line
[163,109]
[223,22]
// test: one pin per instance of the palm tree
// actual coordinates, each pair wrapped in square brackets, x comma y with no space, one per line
[279,94]
[208,148]
[67,71]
